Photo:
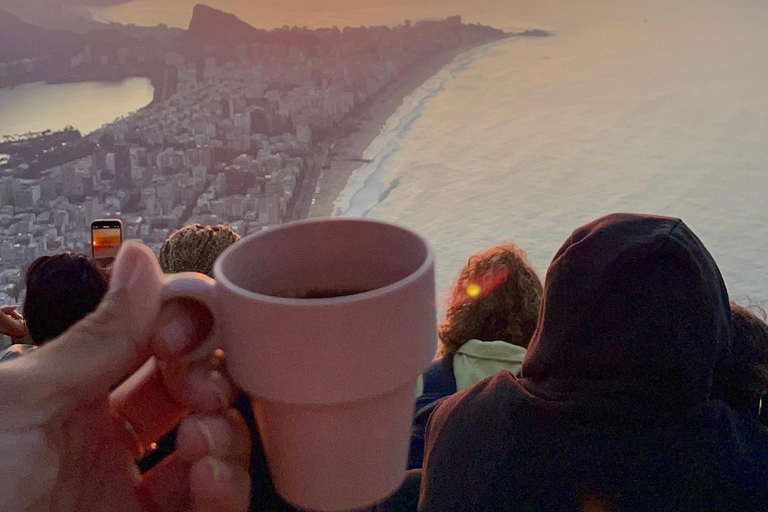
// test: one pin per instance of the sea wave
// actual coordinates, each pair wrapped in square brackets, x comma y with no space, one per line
[372,182]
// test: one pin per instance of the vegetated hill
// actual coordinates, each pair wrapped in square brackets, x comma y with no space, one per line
[208,23]
[70,15]
[212,26]
[108,36]
[21,40]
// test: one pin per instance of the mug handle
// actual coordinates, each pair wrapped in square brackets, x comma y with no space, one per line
[201,288]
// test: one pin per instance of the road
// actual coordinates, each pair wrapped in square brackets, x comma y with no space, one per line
[306,189]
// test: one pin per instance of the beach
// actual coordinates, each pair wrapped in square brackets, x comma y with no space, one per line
[366,124]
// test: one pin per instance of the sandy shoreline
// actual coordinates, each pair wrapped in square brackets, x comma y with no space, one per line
[348,151]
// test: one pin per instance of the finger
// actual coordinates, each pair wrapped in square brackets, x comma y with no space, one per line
[158,395]
[144,408]
[219,486]
[15,314]
[199,387]
[12,327]
[100,350]
[181,326]
[153,400]
[224,437]
[165,488]
[208,484]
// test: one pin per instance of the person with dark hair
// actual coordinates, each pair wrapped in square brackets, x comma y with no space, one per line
[748,383]
[492,313]
[613,408]
[61,290]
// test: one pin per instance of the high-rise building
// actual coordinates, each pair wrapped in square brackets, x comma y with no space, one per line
[227,108]
[191,157]
[48,189]
[27,197]
[206,157]
[243,121]
[123,165]
[238,180]
[261,121]
[100,158]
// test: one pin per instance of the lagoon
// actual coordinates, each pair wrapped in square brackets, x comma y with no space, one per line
[84,105]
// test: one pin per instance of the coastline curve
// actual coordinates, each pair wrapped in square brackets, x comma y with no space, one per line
[367,185]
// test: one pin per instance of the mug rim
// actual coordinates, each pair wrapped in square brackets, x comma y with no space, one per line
[224,281]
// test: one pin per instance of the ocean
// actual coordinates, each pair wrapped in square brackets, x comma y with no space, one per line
[525,140]
[645,106]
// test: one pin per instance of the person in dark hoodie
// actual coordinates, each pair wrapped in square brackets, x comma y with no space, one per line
[612,411]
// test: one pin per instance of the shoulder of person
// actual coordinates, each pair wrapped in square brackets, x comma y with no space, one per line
[465,444]
[482,402]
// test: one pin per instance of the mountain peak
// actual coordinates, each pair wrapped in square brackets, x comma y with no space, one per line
[210,23]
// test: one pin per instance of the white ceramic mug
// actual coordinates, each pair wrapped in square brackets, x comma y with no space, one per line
[332,379]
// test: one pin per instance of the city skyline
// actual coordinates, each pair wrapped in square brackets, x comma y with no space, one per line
[242,126]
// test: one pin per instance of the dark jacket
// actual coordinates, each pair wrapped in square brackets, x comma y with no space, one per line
[612,410]
[439,382]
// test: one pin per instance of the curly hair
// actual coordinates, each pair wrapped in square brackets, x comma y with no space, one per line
[194,248]
[496,297]
[750,348]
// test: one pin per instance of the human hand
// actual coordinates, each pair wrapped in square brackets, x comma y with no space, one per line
[12,323]
[60,447]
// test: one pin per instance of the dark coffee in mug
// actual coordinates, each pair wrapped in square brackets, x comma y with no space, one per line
[320,293]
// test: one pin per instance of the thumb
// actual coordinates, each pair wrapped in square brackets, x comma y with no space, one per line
[100,350]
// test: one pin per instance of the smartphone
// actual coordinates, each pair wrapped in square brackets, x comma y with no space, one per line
[106,237]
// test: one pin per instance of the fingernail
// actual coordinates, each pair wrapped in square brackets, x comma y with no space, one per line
[176,333]
[218,468]
[220,387]
[207,434]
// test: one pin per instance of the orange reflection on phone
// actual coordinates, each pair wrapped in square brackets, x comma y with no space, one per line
[106,243]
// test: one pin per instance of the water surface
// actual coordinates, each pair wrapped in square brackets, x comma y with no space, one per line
[84,105]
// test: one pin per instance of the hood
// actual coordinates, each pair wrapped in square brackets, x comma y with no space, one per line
[475,360]
[634,311]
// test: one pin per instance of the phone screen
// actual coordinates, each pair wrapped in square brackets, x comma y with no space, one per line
[105,240]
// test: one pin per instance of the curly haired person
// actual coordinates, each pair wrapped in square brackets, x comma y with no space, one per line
[194,248]
[492,313]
